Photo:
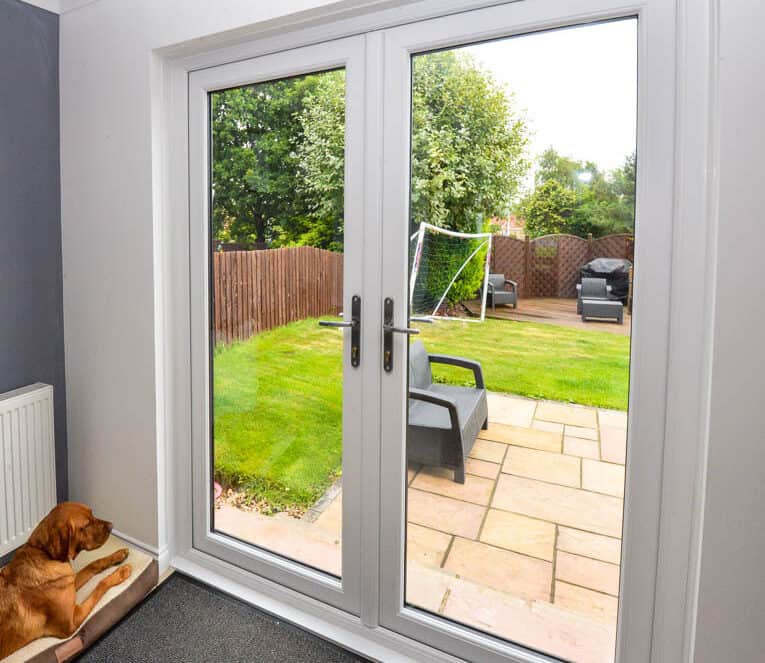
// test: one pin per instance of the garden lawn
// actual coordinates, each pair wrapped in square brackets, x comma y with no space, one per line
[278,395]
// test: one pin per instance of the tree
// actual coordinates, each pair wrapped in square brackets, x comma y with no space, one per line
[548,210]
[563,201]
[468,144]
[255,170]
[321,161]
[278,154]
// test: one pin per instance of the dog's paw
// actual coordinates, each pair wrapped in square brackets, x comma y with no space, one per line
[119,556]
[123,573]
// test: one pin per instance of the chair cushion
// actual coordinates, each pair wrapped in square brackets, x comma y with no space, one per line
[420,375]
[593,288]
[497,281]
[429,415]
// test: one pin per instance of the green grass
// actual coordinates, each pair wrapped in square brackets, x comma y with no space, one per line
[278,395]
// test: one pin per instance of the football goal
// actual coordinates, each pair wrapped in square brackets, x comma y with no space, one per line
[448,268]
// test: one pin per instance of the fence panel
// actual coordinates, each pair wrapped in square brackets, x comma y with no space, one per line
[259,290]
[509,258]
[549,266]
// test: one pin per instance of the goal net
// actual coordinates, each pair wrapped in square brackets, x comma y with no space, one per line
[449,268]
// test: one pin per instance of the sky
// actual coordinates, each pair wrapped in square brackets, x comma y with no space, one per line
[578,88]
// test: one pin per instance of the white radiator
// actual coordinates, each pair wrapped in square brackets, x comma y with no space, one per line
[27,462]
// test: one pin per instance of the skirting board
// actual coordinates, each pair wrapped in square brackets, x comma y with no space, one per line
[162,555]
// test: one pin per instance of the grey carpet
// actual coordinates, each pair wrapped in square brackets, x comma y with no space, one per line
[186,621]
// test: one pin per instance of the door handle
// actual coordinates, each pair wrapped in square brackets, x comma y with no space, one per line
[354,325]
[332,323]
[400,330]
[389,329]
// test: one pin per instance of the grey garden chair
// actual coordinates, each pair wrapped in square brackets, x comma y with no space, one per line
[444,420]
[591,288]
[499,292]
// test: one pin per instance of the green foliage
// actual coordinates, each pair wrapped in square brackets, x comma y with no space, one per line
[549,209]
[562,202]
[278,153]
[321,158]
[255,135]
[467,143]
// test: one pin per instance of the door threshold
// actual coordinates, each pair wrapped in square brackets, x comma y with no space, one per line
[339,627]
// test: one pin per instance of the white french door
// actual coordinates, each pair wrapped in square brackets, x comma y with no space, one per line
[226,293]
[364,570]
[469,617]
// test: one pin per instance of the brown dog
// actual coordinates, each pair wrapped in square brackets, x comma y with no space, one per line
[38,589]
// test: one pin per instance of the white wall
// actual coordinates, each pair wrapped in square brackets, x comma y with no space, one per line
[106,160]
[106,168]
[731,620]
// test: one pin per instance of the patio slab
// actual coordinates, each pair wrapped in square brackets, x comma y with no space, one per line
[613,444]
[426,546]
[543,465]
[487,450]
[589,573]
[511,410]
[587,544]
[444,513]
[295,539]
[576,446]
[570,415]
[482,468]
[440,480]
[572,507]
[539,625]
[521,534]
[594,604]
[603,477]
[531,438]
[504,570]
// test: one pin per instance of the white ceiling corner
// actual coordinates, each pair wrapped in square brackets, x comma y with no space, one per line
[49,5]
[59,6]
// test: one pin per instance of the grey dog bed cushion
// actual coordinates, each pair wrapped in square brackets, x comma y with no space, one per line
[112,607]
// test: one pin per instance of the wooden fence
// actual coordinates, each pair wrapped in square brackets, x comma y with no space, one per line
[549,266]
[259,290]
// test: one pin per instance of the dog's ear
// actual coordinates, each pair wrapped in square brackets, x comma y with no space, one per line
[53,540]
[74,541]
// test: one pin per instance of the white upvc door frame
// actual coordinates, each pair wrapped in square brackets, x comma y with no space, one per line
[677,470]
[650,325]
[347,54]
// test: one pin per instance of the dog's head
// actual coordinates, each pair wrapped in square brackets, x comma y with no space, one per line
[69,528]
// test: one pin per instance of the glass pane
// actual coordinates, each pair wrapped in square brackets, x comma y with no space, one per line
[277,176]
[522,198]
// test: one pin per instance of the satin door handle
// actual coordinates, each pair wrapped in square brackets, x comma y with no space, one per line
[388,329]
[332,323]
[354,324]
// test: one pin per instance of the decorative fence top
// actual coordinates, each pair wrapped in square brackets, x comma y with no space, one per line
[549,266]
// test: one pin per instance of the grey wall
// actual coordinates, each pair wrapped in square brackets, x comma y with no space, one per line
[31,305]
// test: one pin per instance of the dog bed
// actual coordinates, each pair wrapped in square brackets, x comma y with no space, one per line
[112,607]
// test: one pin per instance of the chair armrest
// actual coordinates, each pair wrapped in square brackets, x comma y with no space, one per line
[462,363]
[512,283]
[490,286]
[442,400]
